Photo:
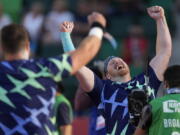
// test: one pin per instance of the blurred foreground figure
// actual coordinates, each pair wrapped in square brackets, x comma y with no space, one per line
[28,86]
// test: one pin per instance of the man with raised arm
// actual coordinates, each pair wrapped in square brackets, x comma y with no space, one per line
[27,86]
[111,95]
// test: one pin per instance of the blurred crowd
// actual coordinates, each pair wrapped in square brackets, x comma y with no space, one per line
[127,21]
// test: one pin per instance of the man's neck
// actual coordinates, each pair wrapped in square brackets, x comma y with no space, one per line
[125,78]
[19,56]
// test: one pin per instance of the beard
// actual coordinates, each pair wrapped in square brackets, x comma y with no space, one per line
[123,72]
[118,76]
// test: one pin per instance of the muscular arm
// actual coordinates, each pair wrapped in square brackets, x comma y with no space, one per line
[163,44]
[84,75]
[86,51]
[86,79]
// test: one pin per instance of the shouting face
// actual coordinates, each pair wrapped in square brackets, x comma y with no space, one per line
[117,68]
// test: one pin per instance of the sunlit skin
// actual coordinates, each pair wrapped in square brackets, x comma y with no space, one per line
[118,70]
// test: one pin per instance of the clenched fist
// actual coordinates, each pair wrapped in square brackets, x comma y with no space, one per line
[66,27]
[156,12]
[97,17]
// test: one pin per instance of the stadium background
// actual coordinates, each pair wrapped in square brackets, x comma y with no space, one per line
[127,22]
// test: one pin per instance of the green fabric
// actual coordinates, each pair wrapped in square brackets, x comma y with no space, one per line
[62,99]
[165,115]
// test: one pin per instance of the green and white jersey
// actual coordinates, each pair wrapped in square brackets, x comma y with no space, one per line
[165,115]
[63,110]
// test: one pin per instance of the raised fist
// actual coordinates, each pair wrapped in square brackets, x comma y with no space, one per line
[156,12]
[66,27]
[96,17]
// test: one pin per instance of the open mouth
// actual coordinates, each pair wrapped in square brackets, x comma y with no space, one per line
[120,67]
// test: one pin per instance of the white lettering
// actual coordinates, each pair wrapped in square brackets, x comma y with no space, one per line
[165,123]
[171,123]
[175,133]
[174,122]
[171,106]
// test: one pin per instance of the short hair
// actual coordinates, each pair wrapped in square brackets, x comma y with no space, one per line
[106,62]
[172,76]
[13,37]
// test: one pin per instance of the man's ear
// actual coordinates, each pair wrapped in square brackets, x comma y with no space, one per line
[27,47]
[108,76]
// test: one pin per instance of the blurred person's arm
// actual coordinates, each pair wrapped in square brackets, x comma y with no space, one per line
[82,100]
[163,44]
[85,52]
[67,64]
[85,75]
[65,30]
